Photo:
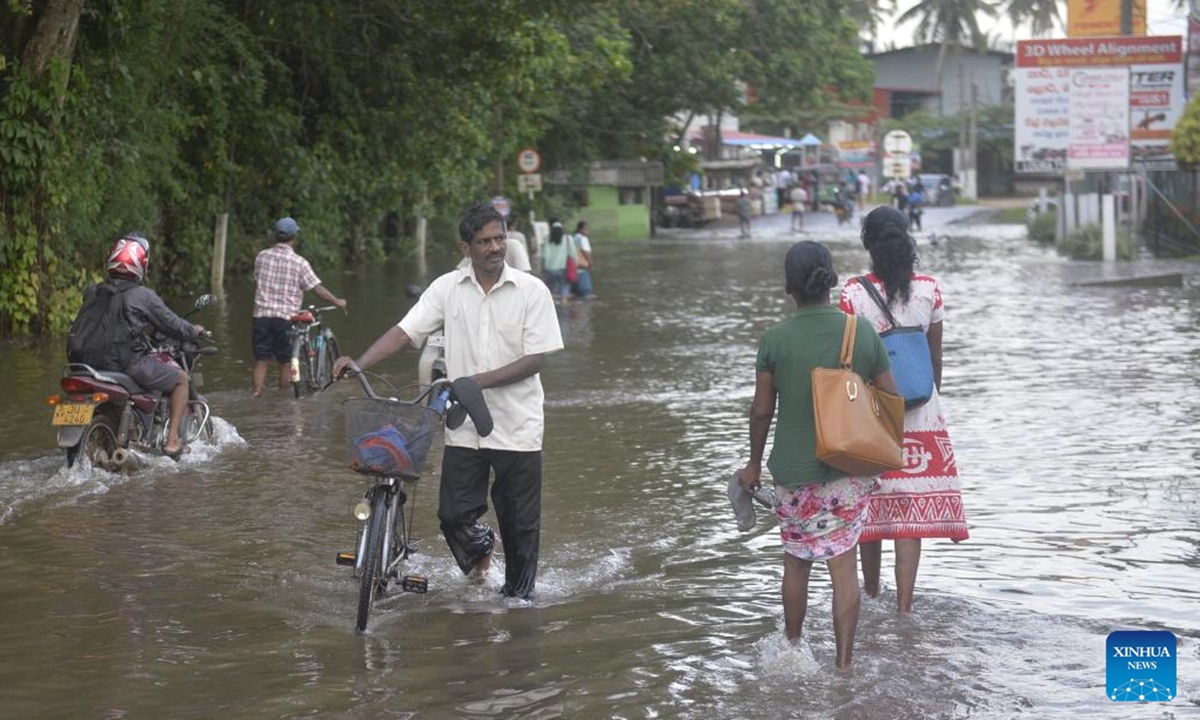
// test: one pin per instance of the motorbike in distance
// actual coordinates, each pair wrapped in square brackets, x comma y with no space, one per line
[431,366]
[102,415]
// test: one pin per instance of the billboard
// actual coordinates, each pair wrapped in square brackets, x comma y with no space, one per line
[1098,18]
[1043,97]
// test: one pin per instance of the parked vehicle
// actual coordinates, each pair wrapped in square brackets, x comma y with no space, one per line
[940,189]
[101,414]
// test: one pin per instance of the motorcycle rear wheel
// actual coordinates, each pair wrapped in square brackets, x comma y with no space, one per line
[101,434]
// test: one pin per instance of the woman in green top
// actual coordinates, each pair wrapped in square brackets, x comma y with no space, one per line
[821,510]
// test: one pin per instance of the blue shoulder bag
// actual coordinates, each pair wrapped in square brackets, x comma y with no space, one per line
[908,350]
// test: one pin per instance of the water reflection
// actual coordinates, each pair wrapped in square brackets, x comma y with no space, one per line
[209,588]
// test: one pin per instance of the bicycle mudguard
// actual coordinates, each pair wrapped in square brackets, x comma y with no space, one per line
[466,392]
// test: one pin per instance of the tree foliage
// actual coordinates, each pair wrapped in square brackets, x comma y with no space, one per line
[157,115]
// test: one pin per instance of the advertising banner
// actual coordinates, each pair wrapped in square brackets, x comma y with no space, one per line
[1096,18]
[1043,97]
[1098,137]
[856,153]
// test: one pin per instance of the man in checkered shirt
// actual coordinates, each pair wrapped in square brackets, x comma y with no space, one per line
[281,278]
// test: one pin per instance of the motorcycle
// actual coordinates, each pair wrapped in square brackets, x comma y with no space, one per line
[102,415]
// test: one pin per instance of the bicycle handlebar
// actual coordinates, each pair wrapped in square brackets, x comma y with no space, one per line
[361,376]
[462,395]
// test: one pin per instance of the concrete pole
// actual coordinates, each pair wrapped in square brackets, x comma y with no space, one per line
[973,193]
[1108,226]
[422,226]
[220,232]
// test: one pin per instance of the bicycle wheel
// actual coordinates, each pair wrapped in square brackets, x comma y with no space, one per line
[325,357]
[299,365]
[370,582]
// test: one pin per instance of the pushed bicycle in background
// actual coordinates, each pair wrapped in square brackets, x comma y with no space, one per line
[389,439]
[314,348]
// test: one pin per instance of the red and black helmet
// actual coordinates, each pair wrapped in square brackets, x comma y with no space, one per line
[129,258]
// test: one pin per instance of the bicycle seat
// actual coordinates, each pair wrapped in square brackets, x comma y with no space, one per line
[304,316]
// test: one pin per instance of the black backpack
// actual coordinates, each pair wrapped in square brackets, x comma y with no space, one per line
[101,335]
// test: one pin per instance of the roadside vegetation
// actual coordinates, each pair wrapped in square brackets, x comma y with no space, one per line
[354,117]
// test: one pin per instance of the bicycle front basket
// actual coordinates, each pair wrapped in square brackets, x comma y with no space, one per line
[388,437]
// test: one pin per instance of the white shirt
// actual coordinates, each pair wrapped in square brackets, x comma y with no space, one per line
[486,332]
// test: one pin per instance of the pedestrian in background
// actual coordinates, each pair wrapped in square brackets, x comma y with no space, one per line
[554,261]
[864,190]
[924,499]
[742,207]
[799,198]
[585,262]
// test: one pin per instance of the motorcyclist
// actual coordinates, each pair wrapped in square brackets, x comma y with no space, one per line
[127,263]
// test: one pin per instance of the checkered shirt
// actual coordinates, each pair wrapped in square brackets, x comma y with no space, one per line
[281,278]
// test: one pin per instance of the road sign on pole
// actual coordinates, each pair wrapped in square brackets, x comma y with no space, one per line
[529,161]
[529,182]
[897,142]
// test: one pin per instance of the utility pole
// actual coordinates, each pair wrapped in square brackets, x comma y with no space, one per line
[974,154]
[960,165]
[1126,17]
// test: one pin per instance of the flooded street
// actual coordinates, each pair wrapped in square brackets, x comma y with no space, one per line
[208,589]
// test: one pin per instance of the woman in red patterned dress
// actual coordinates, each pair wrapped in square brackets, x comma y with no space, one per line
[923,500]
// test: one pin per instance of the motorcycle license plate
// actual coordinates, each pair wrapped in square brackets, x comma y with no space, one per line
[73,414]
[437,341]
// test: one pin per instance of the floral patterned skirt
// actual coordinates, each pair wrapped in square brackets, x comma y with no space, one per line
[821,521]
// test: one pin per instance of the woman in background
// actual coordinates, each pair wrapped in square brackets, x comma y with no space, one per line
[554,261]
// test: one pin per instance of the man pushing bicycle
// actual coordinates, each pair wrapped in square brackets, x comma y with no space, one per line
[498,324]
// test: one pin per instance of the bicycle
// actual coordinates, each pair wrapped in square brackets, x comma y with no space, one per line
[388,440]
[312,357]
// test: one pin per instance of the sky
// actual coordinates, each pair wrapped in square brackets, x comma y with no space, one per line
[1161,17]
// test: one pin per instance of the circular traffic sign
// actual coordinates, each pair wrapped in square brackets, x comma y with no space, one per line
[528,160]
[897,142]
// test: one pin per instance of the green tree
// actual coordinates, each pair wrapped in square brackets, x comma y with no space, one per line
[1043,16]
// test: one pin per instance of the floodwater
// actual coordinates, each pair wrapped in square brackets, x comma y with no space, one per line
[208,589]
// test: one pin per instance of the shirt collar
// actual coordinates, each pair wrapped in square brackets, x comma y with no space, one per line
[814,309]
[467,274]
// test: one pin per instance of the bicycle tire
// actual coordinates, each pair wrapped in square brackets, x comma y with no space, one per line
[325,357]
[371,580]
[304,367]
[308,368]
[331,355]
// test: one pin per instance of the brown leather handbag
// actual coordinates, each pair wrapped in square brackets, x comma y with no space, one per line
[860,428]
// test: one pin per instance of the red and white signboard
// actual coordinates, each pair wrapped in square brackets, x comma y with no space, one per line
[1044,118]
[529,161]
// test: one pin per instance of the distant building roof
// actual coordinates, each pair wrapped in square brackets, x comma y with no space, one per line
[935,48]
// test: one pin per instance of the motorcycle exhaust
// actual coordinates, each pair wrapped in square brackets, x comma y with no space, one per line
[101,460]
[124,461]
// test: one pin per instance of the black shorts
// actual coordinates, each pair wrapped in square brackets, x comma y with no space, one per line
[271,339]
[152,373]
